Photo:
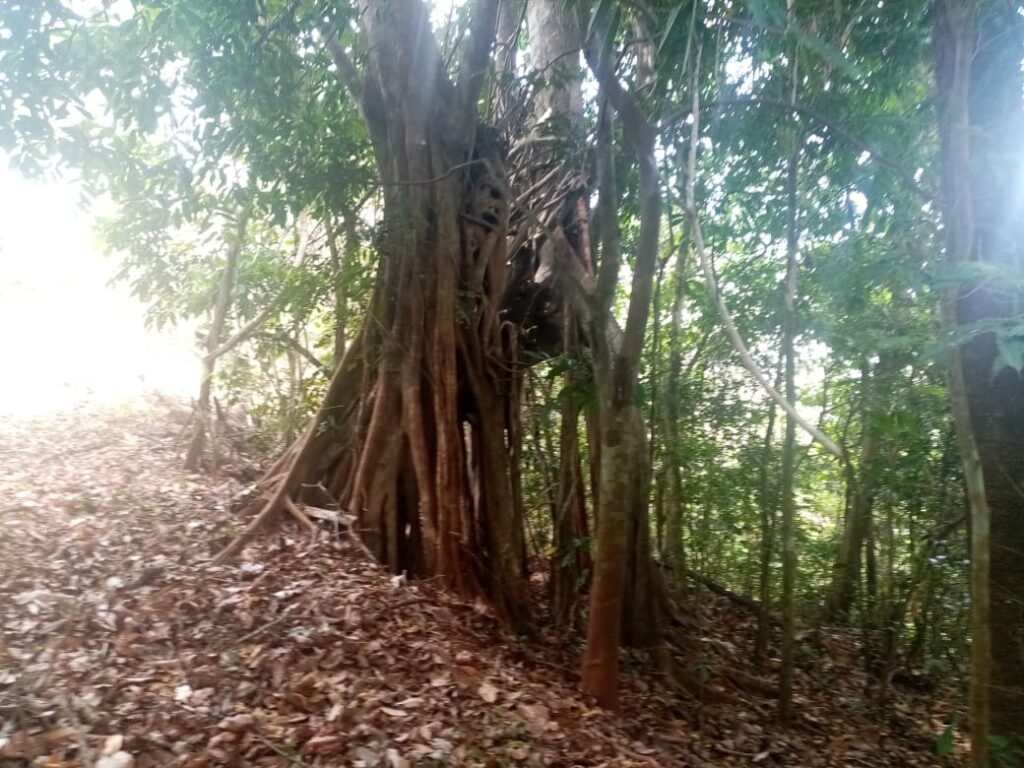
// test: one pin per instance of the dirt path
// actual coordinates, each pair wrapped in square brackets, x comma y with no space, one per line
[121,647]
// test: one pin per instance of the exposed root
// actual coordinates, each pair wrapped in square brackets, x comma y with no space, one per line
[750,683]
[275,505]
[299,515]
[293,469]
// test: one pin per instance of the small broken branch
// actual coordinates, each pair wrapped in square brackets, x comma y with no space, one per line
[288,341]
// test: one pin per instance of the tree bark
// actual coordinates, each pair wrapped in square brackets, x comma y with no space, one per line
[675,551]
[767,501]
[788,498]
[555,43]
[623,537]
[194,456]
[415,432]
[981,127]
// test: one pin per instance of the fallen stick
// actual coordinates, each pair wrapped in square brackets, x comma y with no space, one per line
[83,747]
[329,515]
[358,542]
[728,594]
[282,752]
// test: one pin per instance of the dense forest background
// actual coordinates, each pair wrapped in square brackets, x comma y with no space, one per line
[630,299]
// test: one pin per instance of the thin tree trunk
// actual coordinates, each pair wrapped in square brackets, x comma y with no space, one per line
[788,496]
[342,260]
[675,551]
[601,657]
[570,561]
[510,19]
[194,457]
[830,445]
[622,520]
[274,305]
[860,491]
[767,503]
[653,395]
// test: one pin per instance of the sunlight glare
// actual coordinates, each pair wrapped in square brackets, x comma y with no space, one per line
[67,336]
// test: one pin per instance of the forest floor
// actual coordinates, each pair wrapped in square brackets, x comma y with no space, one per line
[121,646]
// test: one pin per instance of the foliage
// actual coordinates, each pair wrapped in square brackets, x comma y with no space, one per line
[186,113]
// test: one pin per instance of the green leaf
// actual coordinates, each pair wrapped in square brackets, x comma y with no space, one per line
[601,11]
[163,18]
[604,23]
[1011,353]
[669,27]
[944,744]
[772,10]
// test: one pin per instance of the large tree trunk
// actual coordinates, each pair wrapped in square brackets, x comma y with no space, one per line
[431,482]
[981,125]
[414,435]
[555,42]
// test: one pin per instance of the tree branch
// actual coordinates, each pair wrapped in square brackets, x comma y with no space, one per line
[825,121]
[483,27]
[367,98]
[730,326]
[346,69]
[638,130]
[249,328]
[287,340]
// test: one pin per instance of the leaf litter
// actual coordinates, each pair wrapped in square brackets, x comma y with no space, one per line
[121,647]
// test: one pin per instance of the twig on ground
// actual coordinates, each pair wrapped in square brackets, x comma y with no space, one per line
[407,602]
[727,751]
[76,724]
[282,752]
[286,614]
[358,543]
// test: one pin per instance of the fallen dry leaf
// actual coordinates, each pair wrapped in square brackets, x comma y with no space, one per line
[487,692]
[114,622]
